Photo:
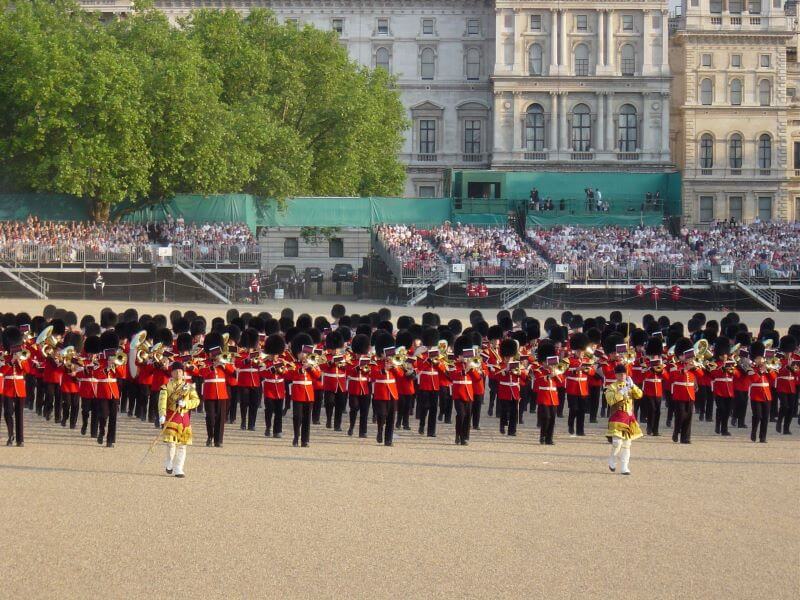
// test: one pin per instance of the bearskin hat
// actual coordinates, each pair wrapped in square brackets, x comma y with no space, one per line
[234,333]
[722,346]
[700,318]
[743,338]
[334,341]
[271,326]
[594,335]
[300,340]
[430,337]
[482,327]
[544,350]
[505,323]
[92,329]
[462,343]
[771,335]
[794,331]
[455,326]
[163,336]
[611,342]
[109,340]
[578,341]
[576,322]
[682,345]
[338,311]
[198,327]
[533,329]
[91,345]
[85,320]
[615,316]
[321,323]
[316,335]
[404,322]
[287,313]
[275,344]
[566,317]
[59,327]
[382,341]
[174,315]
[183,343]
[757,349]
[638,337]
[212,340]
[365,329]
[285,323]
[518,314]
[787,344]
[404,339]
[360,344]
[508,347]
[557,334]
[181,325]
[386,326]
[495,332]
[475,316]
[345,332]
[476,337]
[520,336]
[249,338]
[654,347]
[108,318]
[12,336]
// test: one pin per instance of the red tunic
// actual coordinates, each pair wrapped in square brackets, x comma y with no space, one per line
[577,379]
[272,380]
[215,381]
[545,386]
[248,375]
[357,380]
[384,382]
[427,374]
[301,383]
[464,381]
[759,385]
[14,377]
[721,383]
[334,375]
[786,381]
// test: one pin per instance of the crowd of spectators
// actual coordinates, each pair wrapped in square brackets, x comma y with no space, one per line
[408,245]
[485,250]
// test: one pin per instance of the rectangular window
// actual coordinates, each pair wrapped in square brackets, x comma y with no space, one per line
[582,22]
[797,155]
[472,136]
[508,21]
[754,7]
[735,208]
[656,22]
[293,21]
[791,92]
[383,26]
[536,22]
[335,248]
[736,60]
[705,60]
[706,209]
[627,22]
[582,67]
[735,7]
[427,26]
[427,136]
[290,248]
[715,7]
[765,61]
[473,27]
[338,25]
[426,191]
[765,208]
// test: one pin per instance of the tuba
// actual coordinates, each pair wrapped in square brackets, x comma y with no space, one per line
[138,351]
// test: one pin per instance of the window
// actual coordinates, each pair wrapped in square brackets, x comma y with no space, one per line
[473,64]
[705,60]
[582,22]
[427,26]
[581,60]
[627,129]
[473,27]
[715,6]
[508,51]
[508,21]
[764,92]
[735,151]
[535,60]
[706,209]
[706,151]
[736,92]
[536,22]
[627,22]
[754,7]
[736,60]
[765,60]
[382,59]
[383,26]
[581,128]
[628,63]
[335,248]
[791,92]
[777,3]
[427,63]
[797,156]
[735,7]
[656,22]
[735,208]
[764,151]
[706,92]
[290,248]
[534,128]
[426,191]
[292,21]
[427,136]
[337,25]
[765,208]
[472,136]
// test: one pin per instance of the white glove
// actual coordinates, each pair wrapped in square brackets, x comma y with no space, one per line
[181,403]
[161,420]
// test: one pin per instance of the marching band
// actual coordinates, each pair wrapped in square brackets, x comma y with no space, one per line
[137,365]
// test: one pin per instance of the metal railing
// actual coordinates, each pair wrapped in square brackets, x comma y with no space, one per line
[585,273]
[514,277]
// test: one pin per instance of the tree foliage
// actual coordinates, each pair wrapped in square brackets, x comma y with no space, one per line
[139,110]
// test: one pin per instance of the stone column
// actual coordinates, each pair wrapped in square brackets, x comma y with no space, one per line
[610,142]
[601,117]
[497,133]
[516,142]
[553,41]
[664,41]
[562,109]
[612,49]
[665,123]
[552,144]
[565,62]
[601,37]
[645,142]
[647,46]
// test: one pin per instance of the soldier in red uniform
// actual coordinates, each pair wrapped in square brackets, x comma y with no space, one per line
[105,374]
[595,382]
[383,376]
[87,386]
[759,380]
[577,383]
[428,373]
[334,380]
[683,385]
[741,391]
[273,384]
[493,359]
[248,378]
[13,371]
[301,376]
[654,378]
[786,384]
[159,375]
[721,378]
[405,384]
[510,376]
[52,371]
[357,371]
[215,389]
[465,373]
[70,401]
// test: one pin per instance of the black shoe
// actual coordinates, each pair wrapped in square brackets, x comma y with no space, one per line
[541,441]
[304,444]
[208,443]
[294,442]
[465,442]
[350,431]
[20,444]
[406,428]
[362,435]
[278,435]
[421,430]
[787,432]
[753,437]
[242,427]
[669,424]
[169,471]
[491,412]
[431,435]
[266,433]
[63,423]
[253,428]
[550,443]
[686,442]
[725,434]
[100,440]
[502,431]
[337,428]
[458,441]
[762,441]
[217,445]
[717,429]
[675,439]
[514,434]
[312,422]
[10,441]
[83,429]
[380,437]
[778,427]
[180,475]
[328,425]
[476,428]
[388,444]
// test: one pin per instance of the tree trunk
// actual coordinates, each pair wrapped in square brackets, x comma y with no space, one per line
[100,210]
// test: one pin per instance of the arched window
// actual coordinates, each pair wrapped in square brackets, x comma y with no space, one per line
[735,151]
[628,63]
[473,64]
[764,92]
[706,92]
[581,60]
[534,128]
[581,128]
[535,60]
[706,151]
[764,151]
[736,92]
[382,58]
[427,63]
[627,129]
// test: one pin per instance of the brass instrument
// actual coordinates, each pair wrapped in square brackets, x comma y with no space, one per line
[629,357]
[119,359]
[560,368]
[772,364]
[138,351]
[22,355]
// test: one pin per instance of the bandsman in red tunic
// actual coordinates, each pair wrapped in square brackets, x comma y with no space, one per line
[215,388]
[577,383]
[334,380]
[383,376]
[759,379]
[105,373]
[70,401]
[87,385]
[464,373]
[301,376]
[654,378]
[723,373]
[15,366]
[547,377]
[358,389]
[248,377]
[786,384]
[683,382]
[510,375]
[405,384]
[426,367]
[273,385]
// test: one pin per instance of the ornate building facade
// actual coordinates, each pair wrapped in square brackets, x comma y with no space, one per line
[731,111]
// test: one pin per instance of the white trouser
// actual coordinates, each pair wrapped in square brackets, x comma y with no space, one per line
[176,457]
[621,448]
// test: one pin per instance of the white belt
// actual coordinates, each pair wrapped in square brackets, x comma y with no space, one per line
[302,382]
[683,383]
[357,379]
[247,370]
[105,381]
[548,389]
[214,381]
[510,383]
[337,375]
[785,377]
[577,379]
[15,377]
[273,381]
[428,373]
[385,381]
[725,380]
[652,380]
[463,381]
[762,385]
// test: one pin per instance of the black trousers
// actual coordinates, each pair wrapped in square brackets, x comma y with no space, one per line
[760,420]
[30,391]
[428,405]
[709,402]
[86,413]
[463,420]
[739,409]
[250,400]
[142,396]
[152,408]
[651,408]
[359,409]
[683,421]
[788,404]
[562,400]
[492,395]
[273,415]
[594,402]
[445,405]
[317,410]
[577,413]
[13,410]
[216,414]
[547,423]
[52,399]
[723,414]
[670,407]
[108,416]
[404,411]
[475,409]
[525,400]
[335,405]
[40,394]
[301,420]
[125,400]
[69,409]
[234,393]
[509,415]
[385,412]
